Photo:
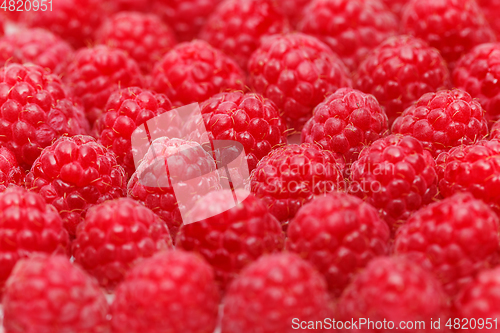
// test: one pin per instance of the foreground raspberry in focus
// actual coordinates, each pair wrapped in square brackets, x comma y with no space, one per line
[271,292]
[74,174]
[346,122]
[50,295]
[399,71]
[397,290]
[292,175]
[339,234]
[443,120]
[37,46]
[296,71]
[10,171]
[125,231]
[95,73]
[35,111]
[395,175]
[194,72]
[457,237]
[143,36]
[350,27]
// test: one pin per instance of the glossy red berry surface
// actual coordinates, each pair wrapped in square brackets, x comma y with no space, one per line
[10,171]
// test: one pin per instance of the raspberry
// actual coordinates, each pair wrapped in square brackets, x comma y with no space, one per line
[194,72]
[491,9]
[395,175]
[400,71]
[475,169]
[245,22]
[35,111]
[345,122]
[74,174]
[126,110]
[393,290]
[477,73]
[443,120]
[458,236]
[452,26]
[50,295]
[115,236]
[231,240]
[250,119]
[10,172]
[291,176]
[143,36]
[95,73]
[350,28]
[173,291]
[271,292]
[296,72]
[37,46]
[29,226]
[339,234]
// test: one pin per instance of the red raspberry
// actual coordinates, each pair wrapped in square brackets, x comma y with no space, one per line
[272,293]
[400,71]
[458,237]
[126,110]
[452,26]
[37,46]
[35,111]
[350,27]
[339,234]
[393,290]
[74,20]
[143,36]
[74,174]
[291,176]
[443,120]
[236,27]
[29,226]
[10,171]
[477,73]
[491,8]
[173,291]
[345,122]
[296,72]
[97,72]
[50,295]
[231,240]
[395,175]
[115,236]
[250,119]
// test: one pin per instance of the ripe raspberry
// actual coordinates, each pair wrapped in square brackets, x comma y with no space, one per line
[50,295]
[393,290]
[350,27]
[29,226]
[194,72]
[126,110]
[400,71]
[271,292]
[35,111]
[143,36]
[296,72]
[97,72]
[458,237]
[237,26]
[443,120]
[339,234]
[345,122]
[182,289]
[452,26]
[250,119]
[115,236]
[395,175]
[477,73]
[10,171]
[291,176]
[37,46]
[74,174]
